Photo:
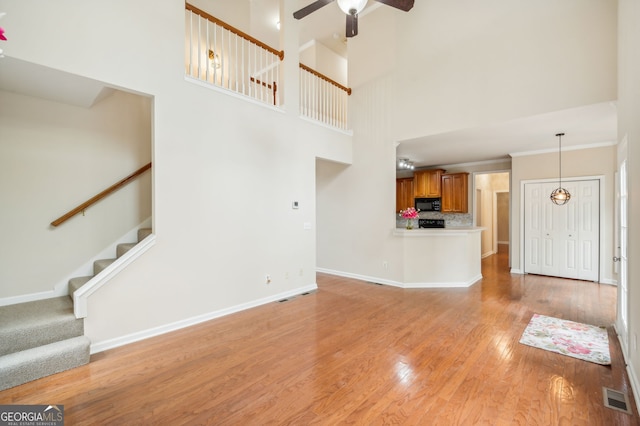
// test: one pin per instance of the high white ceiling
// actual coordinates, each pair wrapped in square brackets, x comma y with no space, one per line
[593,125]
[588,125]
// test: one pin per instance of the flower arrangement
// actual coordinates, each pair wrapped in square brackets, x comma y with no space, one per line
[409,213]
[2,36]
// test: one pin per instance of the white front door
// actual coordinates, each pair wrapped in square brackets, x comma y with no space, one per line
[563,241]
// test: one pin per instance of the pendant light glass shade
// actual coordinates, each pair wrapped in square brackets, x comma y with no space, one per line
[348,5]
[560,195]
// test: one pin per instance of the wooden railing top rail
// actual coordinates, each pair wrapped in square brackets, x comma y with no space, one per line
[192,8]
[100,196]
[325,78]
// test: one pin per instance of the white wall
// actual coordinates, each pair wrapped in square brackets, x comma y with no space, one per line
[353,203]
[225,170]
[324,60]
[491,61]
[629,127]
[54,157]
[477,63]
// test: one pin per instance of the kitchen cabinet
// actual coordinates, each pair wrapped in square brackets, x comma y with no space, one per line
[426,183]
[455,193]
[404,193]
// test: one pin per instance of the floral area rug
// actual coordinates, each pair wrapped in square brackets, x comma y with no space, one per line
[581,341]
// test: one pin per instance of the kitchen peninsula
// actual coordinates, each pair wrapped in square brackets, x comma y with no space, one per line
[440,258]
[444,248]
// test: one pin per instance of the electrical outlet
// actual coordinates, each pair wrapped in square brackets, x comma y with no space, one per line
[385,264]
[301,272]
[267,279]
[635,341]
[286,275]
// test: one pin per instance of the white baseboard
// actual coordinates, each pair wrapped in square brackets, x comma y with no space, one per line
[517,271]
[487,254]
[445,285]
[609,282]
[157,331]
[397,283]
[14,300]
[635,384]
[633,378]
[360,277]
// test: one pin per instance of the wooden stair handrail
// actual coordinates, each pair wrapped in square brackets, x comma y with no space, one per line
[325,78]
[192,8]
[100,196]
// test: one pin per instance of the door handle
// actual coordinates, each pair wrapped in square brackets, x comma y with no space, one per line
[616,259]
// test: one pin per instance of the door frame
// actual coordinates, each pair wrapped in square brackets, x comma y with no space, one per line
[622,329]
[602,180]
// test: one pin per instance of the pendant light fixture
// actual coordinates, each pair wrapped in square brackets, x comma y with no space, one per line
[560,196]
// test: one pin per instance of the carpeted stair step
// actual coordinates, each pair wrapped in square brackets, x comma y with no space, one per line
[28,325]
[123,248]
[144,233]
[76,283]
[31,364]
[100,265]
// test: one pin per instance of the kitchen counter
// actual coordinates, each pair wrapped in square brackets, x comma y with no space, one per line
[421,232]
[440,257]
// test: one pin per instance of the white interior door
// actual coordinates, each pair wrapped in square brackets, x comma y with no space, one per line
[563,241]
[588,227]
[533,224]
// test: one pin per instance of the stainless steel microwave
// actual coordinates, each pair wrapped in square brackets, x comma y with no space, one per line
[428,204]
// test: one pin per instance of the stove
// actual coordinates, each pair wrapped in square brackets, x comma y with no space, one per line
[431,223]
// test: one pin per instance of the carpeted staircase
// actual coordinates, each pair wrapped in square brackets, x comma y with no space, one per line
[44,337]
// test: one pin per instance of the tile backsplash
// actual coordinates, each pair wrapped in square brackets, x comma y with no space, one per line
[452,220]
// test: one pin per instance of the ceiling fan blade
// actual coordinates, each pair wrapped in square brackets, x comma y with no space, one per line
[404,5]
[311,8]
[352,25]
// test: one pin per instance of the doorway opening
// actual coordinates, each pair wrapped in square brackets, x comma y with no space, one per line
[492,211]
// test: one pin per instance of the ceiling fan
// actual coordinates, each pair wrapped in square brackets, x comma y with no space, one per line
[352,8]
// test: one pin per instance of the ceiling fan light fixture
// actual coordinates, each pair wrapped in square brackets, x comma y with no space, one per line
[347,6]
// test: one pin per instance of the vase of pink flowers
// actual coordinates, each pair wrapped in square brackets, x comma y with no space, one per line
[409,213]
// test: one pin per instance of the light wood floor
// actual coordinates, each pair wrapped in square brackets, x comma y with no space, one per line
[358,353]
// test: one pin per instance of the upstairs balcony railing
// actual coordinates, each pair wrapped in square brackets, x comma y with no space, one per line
[222,55]
[322,98]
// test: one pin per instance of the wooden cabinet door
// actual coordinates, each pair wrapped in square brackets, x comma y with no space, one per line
[455,195]
[404,193]
[427,183]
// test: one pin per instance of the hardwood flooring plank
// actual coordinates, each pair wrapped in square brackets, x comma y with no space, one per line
[358,353]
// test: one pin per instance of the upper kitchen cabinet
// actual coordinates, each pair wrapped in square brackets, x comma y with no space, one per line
[455,194]
[404,193]
[426,183]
